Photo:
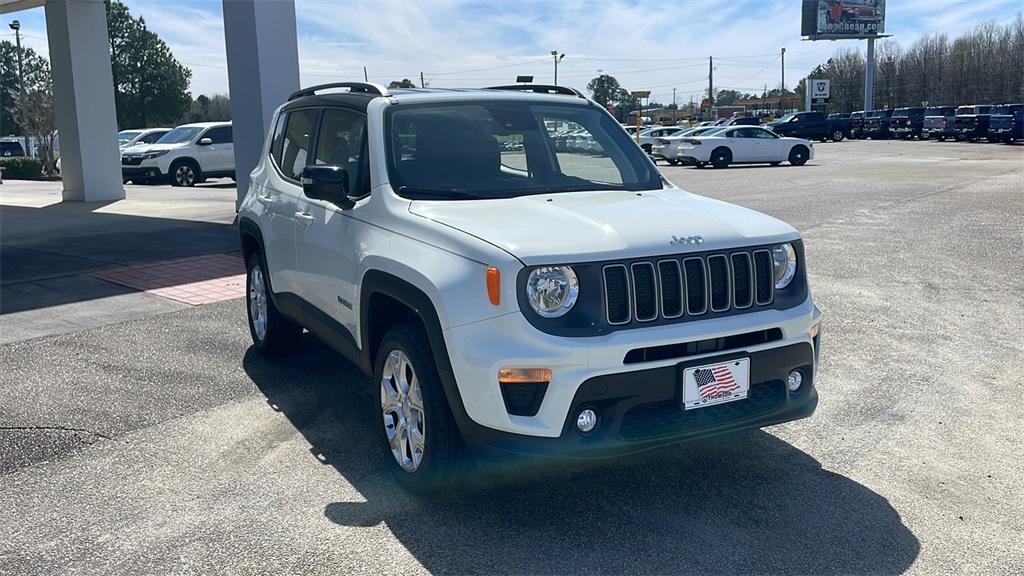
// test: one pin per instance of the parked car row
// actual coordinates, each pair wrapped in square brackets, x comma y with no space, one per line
[1001,123]
[183,156]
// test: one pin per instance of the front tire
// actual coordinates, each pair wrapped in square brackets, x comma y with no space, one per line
[721,157]
[271,332]
[185,173]
[798,155]
[419,437]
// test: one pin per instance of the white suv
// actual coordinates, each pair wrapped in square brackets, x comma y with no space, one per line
[519,299]
[185,156]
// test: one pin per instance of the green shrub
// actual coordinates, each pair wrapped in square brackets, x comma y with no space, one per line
[22,168]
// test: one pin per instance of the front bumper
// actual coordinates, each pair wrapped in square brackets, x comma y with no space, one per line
[131,172]
[582,367]
[642,410]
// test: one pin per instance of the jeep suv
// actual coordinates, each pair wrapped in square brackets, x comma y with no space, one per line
[518,300]
[185,156]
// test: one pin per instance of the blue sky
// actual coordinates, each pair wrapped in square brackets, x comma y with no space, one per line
[646,45]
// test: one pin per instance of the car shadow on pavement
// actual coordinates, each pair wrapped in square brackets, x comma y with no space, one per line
[748,503]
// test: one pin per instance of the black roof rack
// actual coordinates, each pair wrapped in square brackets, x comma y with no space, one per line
[540,89]
[364,87]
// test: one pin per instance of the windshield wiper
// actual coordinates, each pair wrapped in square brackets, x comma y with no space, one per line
[437,192]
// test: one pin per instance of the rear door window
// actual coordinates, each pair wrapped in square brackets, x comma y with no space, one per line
[295,140]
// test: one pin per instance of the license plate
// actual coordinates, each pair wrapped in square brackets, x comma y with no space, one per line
[713,384]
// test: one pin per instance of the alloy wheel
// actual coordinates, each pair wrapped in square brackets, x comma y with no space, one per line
[401,401]
[185,175]
[258,302]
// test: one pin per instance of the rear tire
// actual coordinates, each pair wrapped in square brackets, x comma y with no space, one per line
[271,332]
[798,155]
[721,157]
[419,437]
[646,148]
[838,135]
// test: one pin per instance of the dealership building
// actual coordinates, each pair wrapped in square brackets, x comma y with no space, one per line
[263,69]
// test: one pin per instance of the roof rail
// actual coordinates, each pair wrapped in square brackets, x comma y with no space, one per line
[364,87]
[540,89]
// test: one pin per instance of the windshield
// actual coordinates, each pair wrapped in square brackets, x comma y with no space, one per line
[180,134]
[505,149]
[127,136]
[787,118]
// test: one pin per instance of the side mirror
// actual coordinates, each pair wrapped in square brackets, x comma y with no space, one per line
[205,141]
[328,183]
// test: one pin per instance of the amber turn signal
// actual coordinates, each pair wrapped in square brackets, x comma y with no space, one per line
[494,285]
[524,375]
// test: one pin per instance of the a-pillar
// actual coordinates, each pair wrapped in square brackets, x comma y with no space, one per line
[83,92]
[263,69]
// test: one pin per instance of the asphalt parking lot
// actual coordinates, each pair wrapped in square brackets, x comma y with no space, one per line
[161,444]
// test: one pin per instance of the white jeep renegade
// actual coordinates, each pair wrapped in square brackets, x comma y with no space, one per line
[509,296]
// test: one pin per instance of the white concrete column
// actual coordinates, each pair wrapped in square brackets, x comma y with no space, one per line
[263,69]
[83,92]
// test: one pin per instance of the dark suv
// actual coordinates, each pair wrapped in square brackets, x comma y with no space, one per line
[939,123]
[876,125]
[972,122]
[1006,123]
[907,123]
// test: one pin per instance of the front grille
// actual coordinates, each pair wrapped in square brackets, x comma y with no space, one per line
[689,286]
[668,418]
[131,160]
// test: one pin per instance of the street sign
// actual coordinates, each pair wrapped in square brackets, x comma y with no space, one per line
[819,89]
[638,94]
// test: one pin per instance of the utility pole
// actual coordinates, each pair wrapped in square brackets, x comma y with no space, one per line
[711,84]
[674,107]
[869,78]
[782,93]
[558,58]
[366,77]
[16,26]
[422,83]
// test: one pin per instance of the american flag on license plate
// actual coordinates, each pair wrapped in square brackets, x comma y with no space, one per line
[714,381]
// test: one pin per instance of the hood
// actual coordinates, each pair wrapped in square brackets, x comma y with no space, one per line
[606,225]
[139,148]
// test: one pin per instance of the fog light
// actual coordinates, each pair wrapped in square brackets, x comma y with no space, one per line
[794,380]
[586,421]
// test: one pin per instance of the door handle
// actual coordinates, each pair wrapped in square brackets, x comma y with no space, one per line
[304,216]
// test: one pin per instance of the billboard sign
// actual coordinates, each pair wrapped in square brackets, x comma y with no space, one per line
[819,89]
[835,19]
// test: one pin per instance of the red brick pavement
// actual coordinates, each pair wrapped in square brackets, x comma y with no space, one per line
[197,280]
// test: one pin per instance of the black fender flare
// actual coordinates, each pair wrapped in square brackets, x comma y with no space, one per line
[387,284]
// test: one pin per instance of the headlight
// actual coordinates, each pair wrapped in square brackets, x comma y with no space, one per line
[552,290]
[784,265]
[154,154]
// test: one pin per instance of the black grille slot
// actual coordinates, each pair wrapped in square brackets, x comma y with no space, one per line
[696,286]
[718,268]
[764,279]
[668,418]
[645,291]
[685,349]
[742,281]
[616,286]
[671,289]
[523,399]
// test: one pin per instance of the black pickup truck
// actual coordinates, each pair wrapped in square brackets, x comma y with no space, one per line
[811,125]
[972,122]
[857,124]
[1006,123]
[906,123]
[876,124]
[939,123]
